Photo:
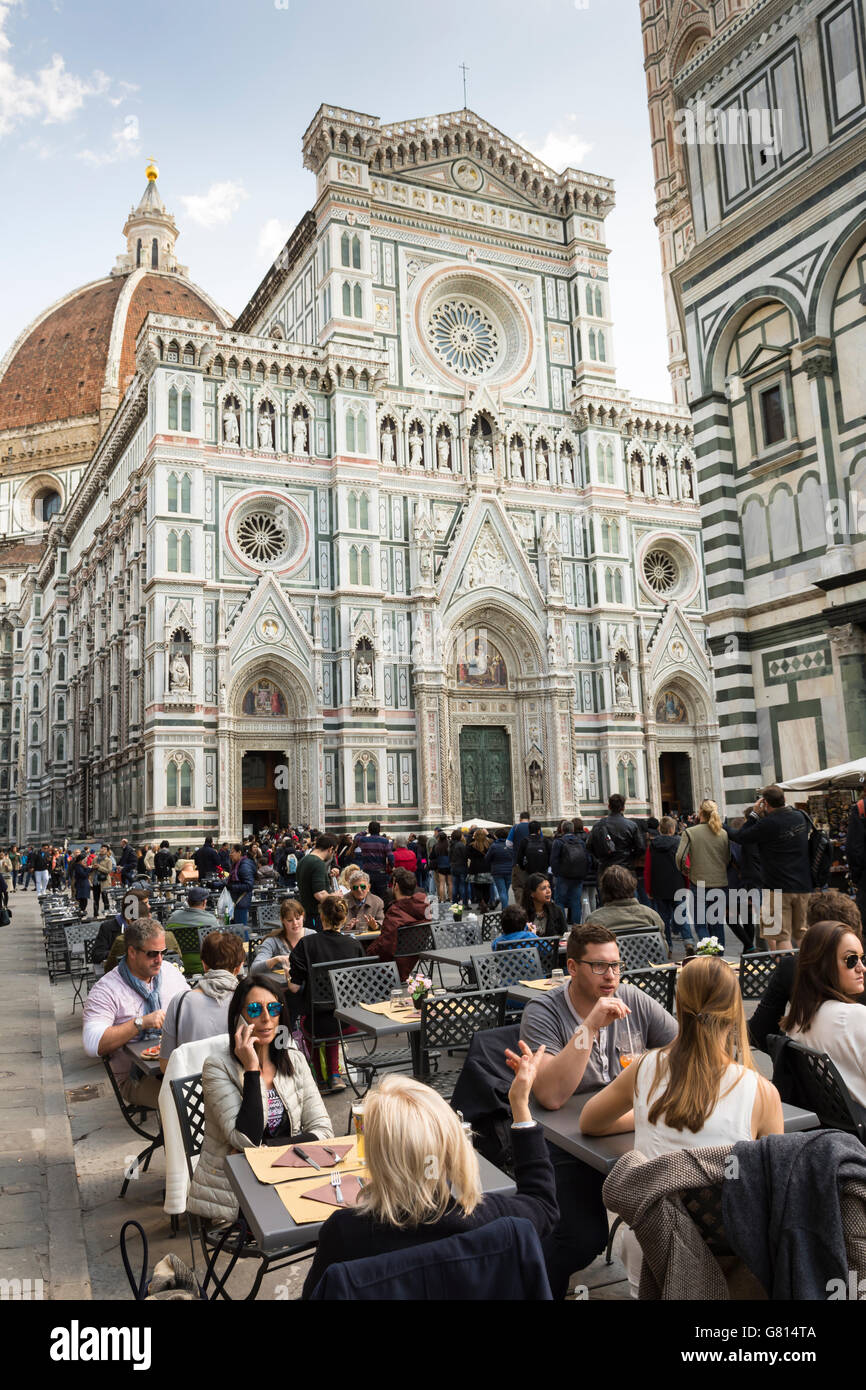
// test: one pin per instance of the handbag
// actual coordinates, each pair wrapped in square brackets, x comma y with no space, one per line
[174,1280]
[225,908]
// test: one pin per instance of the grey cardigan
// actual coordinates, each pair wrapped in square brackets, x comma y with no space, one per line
[709,855]
[210,1193]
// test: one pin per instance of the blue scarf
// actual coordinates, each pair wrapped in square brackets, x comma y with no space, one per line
[150,996]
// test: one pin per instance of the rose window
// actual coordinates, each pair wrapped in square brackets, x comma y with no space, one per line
[262,538]
[463,337]
[660,571]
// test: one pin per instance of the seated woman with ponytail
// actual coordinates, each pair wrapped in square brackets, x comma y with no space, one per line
[700,1090]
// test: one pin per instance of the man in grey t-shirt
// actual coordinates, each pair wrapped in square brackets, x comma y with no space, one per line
[584,1031]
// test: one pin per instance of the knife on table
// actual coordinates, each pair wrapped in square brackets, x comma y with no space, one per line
[306,1157]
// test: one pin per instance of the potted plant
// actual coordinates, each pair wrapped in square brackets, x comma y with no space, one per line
[419,986]
[710,946]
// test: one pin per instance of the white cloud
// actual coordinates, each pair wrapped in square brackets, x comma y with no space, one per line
[125,142]
[217,206]
[272,238]
[561,148]
[50,95]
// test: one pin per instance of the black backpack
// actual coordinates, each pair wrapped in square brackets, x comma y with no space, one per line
[573,860]
[820,855]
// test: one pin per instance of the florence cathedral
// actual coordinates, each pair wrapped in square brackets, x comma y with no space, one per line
[392,543]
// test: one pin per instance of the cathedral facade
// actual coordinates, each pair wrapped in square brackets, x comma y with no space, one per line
[758,116]
[392,544]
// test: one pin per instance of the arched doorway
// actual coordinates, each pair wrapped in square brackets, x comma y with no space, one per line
[683,749]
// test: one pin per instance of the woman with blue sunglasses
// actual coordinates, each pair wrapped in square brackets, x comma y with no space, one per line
[257,1090]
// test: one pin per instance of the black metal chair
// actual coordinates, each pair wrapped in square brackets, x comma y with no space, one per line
[496,969]
[56,953]
[660,984]
[491,925]
[455,934]
[82,972]
[319,1000]
[812,1081]
[135,1116]
[756,969]
[642,949]
[188,1099]
[546,946]
[449,1023]
[413,941]
[368,983]
[188,940]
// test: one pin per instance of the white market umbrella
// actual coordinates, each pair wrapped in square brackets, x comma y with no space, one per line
[479,825]
[851,775]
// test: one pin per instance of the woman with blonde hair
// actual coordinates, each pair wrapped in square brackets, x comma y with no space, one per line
[274,951]
[701,1089]
[703,855]
[424,1183]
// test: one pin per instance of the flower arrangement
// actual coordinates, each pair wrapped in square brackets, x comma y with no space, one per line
[710,946]
[419,986]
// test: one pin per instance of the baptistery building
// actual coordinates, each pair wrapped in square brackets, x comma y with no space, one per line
[392,543]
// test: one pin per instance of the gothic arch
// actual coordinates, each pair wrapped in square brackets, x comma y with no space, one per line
[291,680]
[831,274]
[719,348]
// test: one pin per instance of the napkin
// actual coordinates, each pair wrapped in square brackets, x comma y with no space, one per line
[351,1189]
[291,1160]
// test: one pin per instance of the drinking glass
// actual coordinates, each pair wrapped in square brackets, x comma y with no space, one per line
[358,1122]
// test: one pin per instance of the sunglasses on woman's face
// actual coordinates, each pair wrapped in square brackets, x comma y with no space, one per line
[851,960]
[254,1011]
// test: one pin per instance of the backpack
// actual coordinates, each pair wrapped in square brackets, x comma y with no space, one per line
[573,862]
[603,841]
[820,855]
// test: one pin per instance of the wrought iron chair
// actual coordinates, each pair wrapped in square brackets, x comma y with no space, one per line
[188,1099]
[82,971]
[319,1000]
[189,942]
[413,940]
[660,985]
[135,1116]
[546,946]
[493,969]
[449,1023]
[455,934]
[643,949]
[756,969]
[268,917]
[491,925]
[811,1080]
[368,983]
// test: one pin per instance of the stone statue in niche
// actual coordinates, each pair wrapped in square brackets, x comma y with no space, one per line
[636,470]
[443,453]
[569,649]
[623,693]
[387,446]
[231,431]
[542,468]
[515,459]
[566,468]
[364,679]
[179,673]
[424,536]
[482,455]
[687,482]
[299,435]
[416,449]
[662,485]
[551,646]
[266,432]
[536,784]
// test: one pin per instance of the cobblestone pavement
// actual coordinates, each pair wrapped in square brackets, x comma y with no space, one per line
[64,1148]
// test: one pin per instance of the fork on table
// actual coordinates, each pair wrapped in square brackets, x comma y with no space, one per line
[337,1184]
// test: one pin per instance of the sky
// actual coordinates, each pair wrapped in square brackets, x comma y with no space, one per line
[221,93]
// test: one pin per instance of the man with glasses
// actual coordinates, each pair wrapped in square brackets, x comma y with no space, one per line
[129,1005]
[584,1033]
[365,909]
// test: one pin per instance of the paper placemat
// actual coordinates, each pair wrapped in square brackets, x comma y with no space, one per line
[261,1160]
[543,984]
[301,1209]
[386,1010]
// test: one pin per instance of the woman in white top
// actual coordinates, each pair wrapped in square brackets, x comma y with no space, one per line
[825,1014]
[700,1090]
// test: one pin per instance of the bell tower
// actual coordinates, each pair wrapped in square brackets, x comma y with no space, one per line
[151,234]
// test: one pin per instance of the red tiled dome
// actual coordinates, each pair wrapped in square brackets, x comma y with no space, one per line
[57,369]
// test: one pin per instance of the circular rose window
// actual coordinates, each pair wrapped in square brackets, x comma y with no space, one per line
[464,337]
[262,538]
[660,571]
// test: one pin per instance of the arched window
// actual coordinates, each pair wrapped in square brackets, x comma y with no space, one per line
[362,432]
[598,303]
[353,511]
[34,733]
[356,253]
[614,537]
[344,249]
[353,565]
[186,411]
[61,627]
[365,566]
[36,663]
[35,700]
[34,772]
[61,710]
[172,492]
[372,792]
[186,493]
[186,553]
[599,459]
[617,586]
[609,465]
[185,785]
[61,748]
[589,298]
[16,720]
[601,350]
[605,536]
[366,789]
[171,785]
[347,299]
[608,585]
[154,254]
[350,432]
[138,254]
[359,303]
[171,552]
[172,408]
[360,782]
[61,667]
[592,344]
[364,512]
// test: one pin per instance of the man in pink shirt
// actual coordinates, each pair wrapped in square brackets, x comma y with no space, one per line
[130,1004]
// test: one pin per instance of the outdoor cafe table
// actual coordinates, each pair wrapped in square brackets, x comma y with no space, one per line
[269,1221]
[378,1026]
[149,1065]
[562,1128]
